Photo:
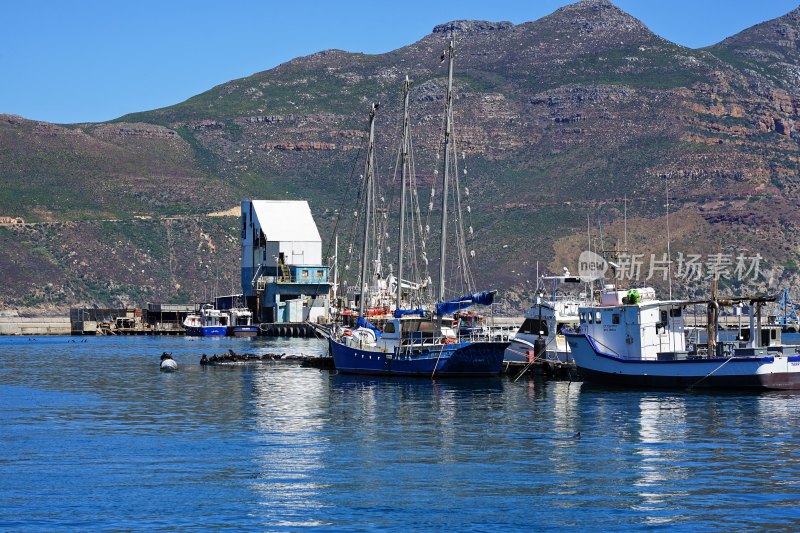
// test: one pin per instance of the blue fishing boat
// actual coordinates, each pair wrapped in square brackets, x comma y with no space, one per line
[208,322]
[418,341]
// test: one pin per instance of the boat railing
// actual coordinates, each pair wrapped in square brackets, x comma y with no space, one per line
[486,333]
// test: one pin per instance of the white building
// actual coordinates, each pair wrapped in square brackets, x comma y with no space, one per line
[283,277]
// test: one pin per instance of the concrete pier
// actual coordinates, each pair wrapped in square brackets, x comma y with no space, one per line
[53,325]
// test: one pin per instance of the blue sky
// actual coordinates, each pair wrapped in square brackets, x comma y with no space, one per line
[94,60]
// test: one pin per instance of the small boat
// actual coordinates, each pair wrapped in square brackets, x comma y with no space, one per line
[633,339]
[209,322]
[241,323]
[545,320]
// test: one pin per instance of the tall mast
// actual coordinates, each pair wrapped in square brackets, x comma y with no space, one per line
[447,132]
[335,267]
[404,179]
[368,190]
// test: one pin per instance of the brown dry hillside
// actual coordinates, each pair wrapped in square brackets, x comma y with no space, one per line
[558,120]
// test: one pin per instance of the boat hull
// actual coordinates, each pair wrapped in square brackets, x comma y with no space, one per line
[774,371]
[243,331]
[206,331]
[467,359]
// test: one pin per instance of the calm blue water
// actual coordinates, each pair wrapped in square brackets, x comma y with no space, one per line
[92,435]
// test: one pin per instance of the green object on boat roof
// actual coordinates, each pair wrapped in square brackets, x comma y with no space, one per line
[633,296]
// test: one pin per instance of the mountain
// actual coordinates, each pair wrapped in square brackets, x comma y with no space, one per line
[558,120]
[770,49]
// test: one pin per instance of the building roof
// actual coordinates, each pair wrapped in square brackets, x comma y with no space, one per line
[286,220]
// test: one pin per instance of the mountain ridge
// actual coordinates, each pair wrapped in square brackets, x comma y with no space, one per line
[558,118]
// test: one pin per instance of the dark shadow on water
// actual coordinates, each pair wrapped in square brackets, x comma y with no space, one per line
[484,384]
[588,387]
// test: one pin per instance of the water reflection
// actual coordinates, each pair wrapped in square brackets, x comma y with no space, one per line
[662,425]
[96,430]
[289,411]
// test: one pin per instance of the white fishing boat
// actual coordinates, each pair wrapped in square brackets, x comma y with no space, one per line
[241,323]
[633,339]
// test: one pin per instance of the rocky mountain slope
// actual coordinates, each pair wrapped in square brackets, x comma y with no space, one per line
[557,120]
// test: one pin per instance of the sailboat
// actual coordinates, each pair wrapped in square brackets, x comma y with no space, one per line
[415,341]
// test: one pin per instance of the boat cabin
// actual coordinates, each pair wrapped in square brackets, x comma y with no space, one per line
[646,330]
[415,330]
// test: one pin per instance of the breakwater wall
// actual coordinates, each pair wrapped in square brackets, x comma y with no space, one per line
[51,325]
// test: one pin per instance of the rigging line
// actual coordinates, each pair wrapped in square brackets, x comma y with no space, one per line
[341,210]
[534,360]
[709,374]
[344,201]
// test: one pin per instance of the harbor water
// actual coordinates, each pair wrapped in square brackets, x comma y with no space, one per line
[94,436]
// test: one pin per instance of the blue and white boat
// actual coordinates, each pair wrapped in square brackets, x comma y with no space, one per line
[241,323]
[417,346]
[415,342]
[208,322]
[632,339]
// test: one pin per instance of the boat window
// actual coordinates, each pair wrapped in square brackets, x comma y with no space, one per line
[615,318]
[675,312]
[320,274]
[426,327]
[533,327]
[304,273]
[598,317]
[589,317]
[389,327]
[582,318]
[663,317]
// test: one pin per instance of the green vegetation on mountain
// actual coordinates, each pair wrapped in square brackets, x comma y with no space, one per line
[557,120]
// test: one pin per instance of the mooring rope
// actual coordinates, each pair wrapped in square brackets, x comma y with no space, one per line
[534,360]
[709,374]
[435,366]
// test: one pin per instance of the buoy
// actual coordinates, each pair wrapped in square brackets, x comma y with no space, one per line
[168,364]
